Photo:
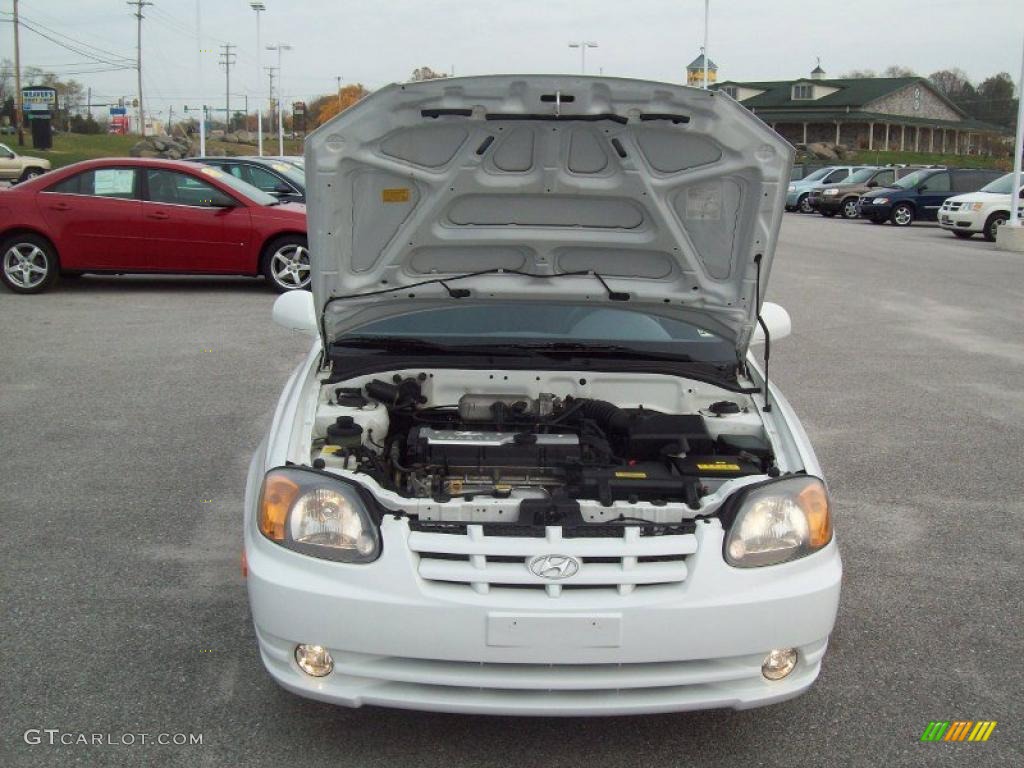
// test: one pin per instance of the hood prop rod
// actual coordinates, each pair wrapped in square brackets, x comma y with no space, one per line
[764,327]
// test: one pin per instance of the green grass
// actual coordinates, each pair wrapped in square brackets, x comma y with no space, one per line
[864,157]
[74,147]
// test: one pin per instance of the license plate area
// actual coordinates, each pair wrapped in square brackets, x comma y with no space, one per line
[546,630]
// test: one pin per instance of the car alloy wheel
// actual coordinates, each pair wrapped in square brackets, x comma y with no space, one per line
[850,209]
[805,204]
[31,173]
[290,266]
[902,216]
[26,265]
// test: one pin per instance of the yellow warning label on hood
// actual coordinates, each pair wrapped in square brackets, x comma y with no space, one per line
[395,195]
[632,475]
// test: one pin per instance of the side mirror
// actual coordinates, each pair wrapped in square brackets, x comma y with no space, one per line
[923,188]
[777,320]
[296,311]
[282,189]
[872,183]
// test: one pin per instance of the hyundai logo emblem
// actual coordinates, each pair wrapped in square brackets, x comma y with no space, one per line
[553,566]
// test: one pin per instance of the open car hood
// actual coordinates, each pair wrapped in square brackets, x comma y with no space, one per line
[672,195]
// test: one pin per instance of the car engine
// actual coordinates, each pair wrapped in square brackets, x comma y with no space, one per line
[548,446]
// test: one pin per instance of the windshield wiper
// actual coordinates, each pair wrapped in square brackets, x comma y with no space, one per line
[407,344]
[599,349]
[504,349]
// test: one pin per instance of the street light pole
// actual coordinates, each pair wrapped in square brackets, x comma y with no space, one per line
[705,50]
[1017,150]
[583,45]
[259,8]
[280,48]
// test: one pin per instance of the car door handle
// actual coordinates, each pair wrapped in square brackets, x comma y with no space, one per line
[158,215]
[60,207]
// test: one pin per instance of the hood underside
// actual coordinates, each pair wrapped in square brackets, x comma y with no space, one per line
[670,194]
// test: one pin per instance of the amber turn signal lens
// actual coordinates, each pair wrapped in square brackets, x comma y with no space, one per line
[278,494]
[813,500]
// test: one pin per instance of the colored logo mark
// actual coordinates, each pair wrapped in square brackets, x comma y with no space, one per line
[958,730]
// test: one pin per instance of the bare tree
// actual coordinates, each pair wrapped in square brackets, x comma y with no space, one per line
[895,70]
[426,73]
[860,74]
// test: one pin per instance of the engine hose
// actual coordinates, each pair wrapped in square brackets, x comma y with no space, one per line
[607,415]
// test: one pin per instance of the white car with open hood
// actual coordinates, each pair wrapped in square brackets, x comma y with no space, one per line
[530,465]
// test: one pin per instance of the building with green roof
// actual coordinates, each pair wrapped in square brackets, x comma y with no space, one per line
[869,113]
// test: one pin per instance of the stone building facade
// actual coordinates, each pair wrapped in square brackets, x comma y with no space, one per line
[879,113]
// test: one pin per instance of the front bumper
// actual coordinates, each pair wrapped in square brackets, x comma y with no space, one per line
[401,640]
[872,210]
[965,221]
[830,203]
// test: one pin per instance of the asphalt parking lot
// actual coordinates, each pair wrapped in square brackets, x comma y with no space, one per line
[129,408]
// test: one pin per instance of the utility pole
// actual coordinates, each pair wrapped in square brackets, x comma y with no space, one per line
[18,106]
[139,5]
[338,78]
[226,60]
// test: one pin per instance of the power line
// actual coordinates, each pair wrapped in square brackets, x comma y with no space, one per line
[73,44]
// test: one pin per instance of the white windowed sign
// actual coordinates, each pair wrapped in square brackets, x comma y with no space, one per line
[113,181]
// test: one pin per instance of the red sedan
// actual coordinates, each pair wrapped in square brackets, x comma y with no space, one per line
[121,215]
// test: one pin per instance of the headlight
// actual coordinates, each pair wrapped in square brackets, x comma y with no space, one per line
[792,188]
[779,521]
[830,192]
[318,515]
[974,206]
[880,200]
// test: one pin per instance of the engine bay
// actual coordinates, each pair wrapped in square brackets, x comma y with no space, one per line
[546,451]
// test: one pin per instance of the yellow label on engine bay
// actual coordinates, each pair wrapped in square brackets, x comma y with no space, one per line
[719,466]
[631,475]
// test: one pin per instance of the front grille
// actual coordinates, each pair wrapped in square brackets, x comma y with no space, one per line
[621,559]
[949,205]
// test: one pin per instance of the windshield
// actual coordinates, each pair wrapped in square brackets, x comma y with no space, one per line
[1001,186]
[862,175]
[242,187]
[293,173]
[543,324]
[911,181]
[818,174]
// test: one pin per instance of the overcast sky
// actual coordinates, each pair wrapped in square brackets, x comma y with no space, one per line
[383,41]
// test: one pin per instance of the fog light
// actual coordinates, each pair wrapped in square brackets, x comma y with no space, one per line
[778,663]
[314,660]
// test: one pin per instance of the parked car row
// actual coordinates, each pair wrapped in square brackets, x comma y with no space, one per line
[965,201]
[134,215]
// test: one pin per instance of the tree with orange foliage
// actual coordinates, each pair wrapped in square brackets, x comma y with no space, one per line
[328,106]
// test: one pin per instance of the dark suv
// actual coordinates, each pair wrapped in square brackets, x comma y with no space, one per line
[921,194]
[842,198]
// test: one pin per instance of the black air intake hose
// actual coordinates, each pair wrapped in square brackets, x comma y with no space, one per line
[606,415]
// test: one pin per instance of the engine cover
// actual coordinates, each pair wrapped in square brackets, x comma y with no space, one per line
[473,449]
